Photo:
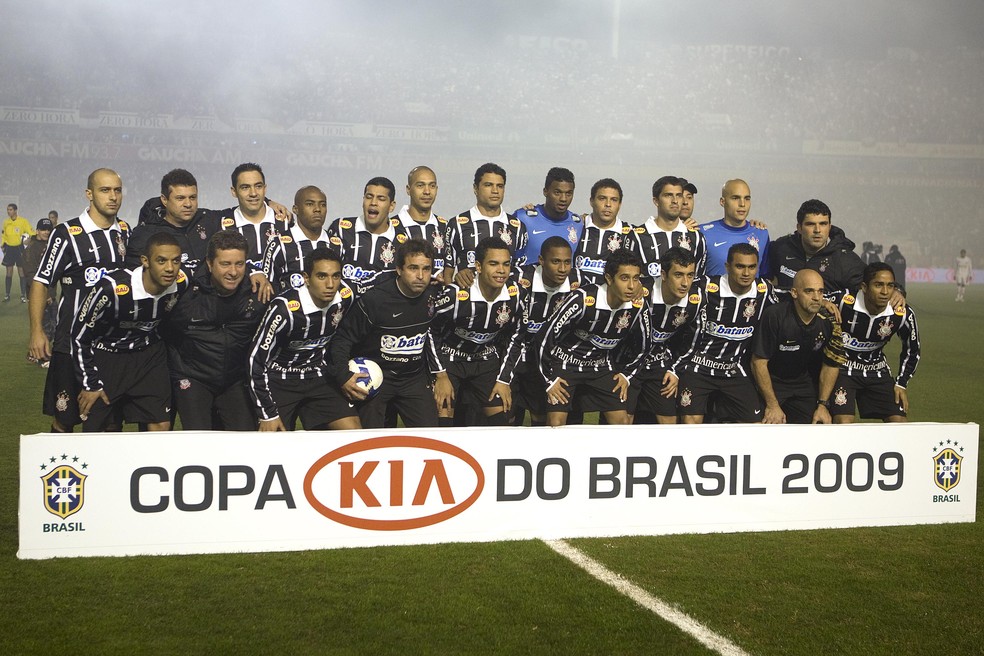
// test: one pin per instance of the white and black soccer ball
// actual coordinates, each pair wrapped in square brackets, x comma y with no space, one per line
[373,374]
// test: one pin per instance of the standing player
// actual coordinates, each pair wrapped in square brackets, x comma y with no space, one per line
[388,324]
[118,352]
[552,218]
[715,368]
[283,261]
[15,230]
[254,218]
[576,348]
[33,252]
[485,219]
[734,228]
[367,244]
[666,230]
[869,320]
[80,252]
[287,362]
[964,273]
[688,203]
[794,346]
[603,233]
[418,218]
[476,341]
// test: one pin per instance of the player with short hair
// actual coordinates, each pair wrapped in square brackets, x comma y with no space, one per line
[734,228]
[367,244]
[418,218]
[963,272]
[796,354]
[715,367]
[287,362]
[16,229]
[868,321]
[33,252]
[688,203]
[79,252]
[603,233]
[118,351]
[552,217]
[576,348]
[283,260]
[666,230]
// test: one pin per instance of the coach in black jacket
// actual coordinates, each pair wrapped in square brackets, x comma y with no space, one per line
[817,245]
[208,334]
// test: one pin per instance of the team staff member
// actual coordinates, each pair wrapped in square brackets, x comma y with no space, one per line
[794,346]
[118,352]
[80,251]
[208,337]
[552,217]
[869,320]
[288,371]
[15,230]
[418,218]
[388,324]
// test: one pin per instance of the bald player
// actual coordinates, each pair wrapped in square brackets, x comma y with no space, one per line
[735,228]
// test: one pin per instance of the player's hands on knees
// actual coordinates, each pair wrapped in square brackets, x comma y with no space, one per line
[774,415]
[670,383]
[902,398]
[621,386]
[352,390]
[274,425]
[464,278]
[88,398]
[558,393]
[443,392]
[504,394]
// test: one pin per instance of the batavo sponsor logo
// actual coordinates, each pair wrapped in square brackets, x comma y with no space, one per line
[394,483]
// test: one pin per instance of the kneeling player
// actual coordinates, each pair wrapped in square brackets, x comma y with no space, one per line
[288,377]
[576,346]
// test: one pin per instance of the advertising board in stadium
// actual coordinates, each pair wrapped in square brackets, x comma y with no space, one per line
[185,492]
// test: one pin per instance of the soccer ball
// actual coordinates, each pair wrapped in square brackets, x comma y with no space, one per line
[367,367]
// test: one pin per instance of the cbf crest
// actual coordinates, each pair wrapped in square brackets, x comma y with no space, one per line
[64,490]
[946,467]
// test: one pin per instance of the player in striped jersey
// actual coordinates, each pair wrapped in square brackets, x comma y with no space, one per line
[485,219]
[674,303]
[476,337]
[79,252]
[367,244]
[666,230]
[418,218]
[253,218]
[715,367]
[868,321]
[576,348]
[548,283]
[283,260]
[603,233]
[288,369]
[118,352]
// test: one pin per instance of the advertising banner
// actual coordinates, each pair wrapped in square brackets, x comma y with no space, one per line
[118,494]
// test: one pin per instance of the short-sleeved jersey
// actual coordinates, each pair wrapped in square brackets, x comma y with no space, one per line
[257,234]
[596,245]
[719,237]
[726,322]
[365,253]
[794,349]
[78,254]
[283,260]
[433,232]
[465,231]
[119,315]
[649,242]
[866,333]
[584,332]
[540,227]
[292,340]
[671,327]
[16,230]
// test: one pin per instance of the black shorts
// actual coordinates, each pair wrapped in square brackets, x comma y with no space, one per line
[735,399]
[61,391]
[644,395]
[589,392]
[13,256]
[138,386]
[797,398]
[201,407]
[529,390]
[413,397]
[473,382]
[874,397]
[317,402]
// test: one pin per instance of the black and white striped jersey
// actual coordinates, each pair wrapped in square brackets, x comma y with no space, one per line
[78,254]
[865,335]
[291,342]
[671,327]
[542,301]
[364,253]
[596,245]
[726,322]
[584,332]
[649,242]
[433,232]
[469,328]
[465,231]
[283,260]
[257,234]
[119,315]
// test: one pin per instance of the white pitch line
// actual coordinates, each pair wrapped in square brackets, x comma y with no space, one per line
[682,621]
